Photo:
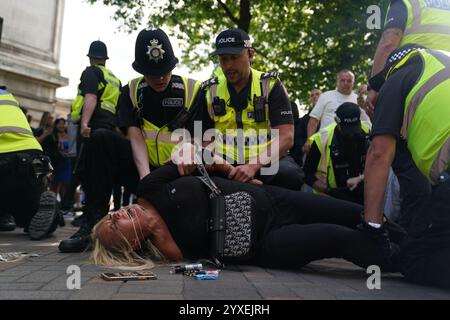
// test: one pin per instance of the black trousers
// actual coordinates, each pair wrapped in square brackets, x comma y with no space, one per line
[289,175]
[425,255]
[311,227]
[414,186]
[108,162]
[20,190]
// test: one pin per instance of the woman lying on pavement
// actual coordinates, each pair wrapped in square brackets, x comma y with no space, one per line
[292,228]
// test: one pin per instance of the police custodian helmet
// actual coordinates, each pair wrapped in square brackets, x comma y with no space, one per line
[154,54]
[98,50]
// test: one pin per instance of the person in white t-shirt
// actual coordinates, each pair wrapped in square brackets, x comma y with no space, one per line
[325,109]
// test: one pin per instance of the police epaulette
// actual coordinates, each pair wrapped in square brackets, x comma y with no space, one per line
[272,74]
[142,85]
[210,82]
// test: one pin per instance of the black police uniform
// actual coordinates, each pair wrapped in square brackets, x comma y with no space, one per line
[425,254]
[112,162]
[348,158]
[101,157]
[24,195]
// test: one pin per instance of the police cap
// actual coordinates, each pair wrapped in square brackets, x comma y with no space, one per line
[154,55]
[348,116]
[232,41]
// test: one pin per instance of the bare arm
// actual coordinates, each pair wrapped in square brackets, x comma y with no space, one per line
[313,123]
[140,152]
[47,132]
[379,158]
[390,41]
[90,102]
[161,237]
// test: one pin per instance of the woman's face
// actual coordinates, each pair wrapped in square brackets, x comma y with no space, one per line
[131,223]
[61,126]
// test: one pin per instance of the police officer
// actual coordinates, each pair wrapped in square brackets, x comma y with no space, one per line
[150,107]
[155,104]
[24,172]
[422,22]
[95,109]
[413,116]
[335,164]
[242,105]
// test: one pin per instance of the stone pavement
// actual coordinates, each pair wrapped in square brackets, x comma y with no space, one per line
[45,277]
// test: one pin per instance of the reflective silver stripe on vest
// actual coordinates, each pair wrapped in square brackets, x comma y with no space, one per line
[190,92]
[115,85]
[8,103]
[431,83]
[162,137]
[212,94]
[323,168]
[108,107]
[133,86]
[418,28]
[16,130]
[441,163]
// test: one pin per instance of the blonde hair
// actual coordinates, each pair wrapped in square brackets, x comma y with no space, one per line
[120,253]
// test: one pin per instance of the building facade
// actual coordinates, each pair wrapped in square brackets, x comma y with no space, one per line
[30,43]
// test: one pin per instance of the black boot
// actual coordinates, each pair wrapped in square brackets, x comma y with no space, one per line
[81,240]
[7,223]
[43,222]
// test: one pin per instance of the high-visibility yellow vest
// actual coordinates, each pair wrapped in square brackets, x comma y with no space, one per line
[426,120]
[15,131]
[323,140]
[160,142]
[108,100]
[255,136]
[428,24]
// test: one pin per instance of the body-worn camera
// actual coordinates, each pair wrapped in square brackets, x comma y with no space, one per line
[259,106]
[219,107]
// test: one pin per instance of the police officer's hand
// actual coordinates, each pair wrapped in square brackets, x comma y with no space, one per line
[184,158]
[244,173]
[306,147]
[353,183]
[372,97]
[85,131]
[379,236]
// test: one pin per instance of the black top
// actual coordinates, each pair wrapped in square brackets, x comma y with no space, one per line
[280,111]
[389,110]
[397,16]
[89,82]
[90,79]
[158,108]
[347,162]
[184,205]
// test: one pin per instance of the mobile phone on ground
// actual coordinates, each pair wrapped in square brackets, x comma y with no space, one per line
[129,276]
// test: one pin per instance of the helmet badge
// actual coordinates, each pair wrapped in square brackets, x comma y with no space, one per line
[155,52]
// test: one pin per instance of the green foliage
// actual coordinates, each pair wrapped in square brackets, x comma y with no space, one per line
[307,41]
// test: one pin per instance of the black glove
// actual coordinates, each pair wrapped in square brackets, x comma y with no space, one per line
[381,239]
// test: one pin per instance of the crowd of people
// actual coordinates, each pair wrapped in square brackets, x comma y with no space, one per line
[363,176]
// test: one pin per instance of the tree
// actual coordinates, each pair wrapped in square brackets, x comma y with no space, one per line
[307,41]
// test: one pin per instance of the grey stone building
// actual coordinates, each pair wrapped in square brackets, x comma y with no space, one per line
[30,41]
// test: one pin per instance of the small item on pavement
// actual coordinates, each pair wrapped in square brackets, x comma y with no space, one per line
[16,256]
